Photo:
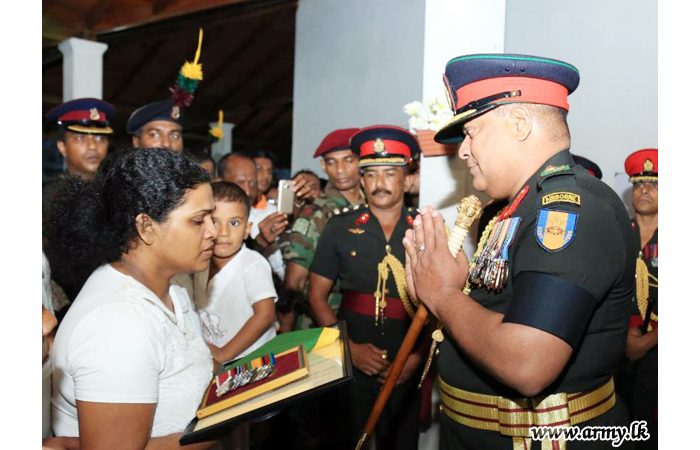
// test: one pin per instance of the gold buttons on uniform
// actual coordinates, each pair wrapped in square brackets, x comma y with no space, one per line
[353,253]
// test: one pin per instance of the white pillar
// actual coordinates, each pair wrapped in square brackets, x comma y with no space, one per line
[82,68]
[225,144]
[454,28]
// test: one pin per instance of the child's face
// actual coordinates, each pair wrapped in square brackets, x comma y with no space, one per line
[232,226]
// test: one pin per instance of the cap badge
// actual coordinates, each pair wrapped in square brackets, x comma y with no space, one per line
[94,114]
[378,146]
[648,165]
[175,113]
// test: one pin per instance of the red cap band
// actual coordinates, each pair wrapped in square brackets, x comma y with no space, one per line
[83,115]
[392,147]
[533,90]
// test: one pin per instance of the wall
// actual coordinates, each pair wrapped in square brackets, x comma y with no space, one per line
[615,47]
[356,64]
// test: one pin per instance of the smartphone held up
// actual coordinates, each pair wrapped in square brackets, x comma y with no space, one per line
[285,197]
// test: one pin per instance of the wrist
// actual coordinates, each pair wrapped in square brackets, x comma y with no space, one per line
[444,305]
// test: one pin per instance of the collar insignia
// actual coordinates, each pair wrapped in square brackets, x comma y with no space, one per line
[554,169]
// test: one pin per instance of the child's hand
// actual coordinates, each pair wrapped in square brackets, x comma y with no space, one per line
[216,353]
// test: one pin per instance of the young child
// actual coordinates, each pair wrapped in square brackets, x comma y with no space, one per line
[235,297]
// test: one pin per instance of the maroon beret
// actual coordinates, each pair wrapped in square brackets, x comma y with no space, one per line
[336,140]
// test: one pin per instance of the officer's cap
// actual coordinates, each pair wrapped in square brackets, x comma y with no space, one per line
[83,115]
[335,140]
[160,110]
[384,145]
[479,83]
[643,166]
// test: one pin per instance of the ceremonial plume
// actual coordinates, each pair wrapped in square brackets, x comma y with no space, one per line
[187,81]
[468,210]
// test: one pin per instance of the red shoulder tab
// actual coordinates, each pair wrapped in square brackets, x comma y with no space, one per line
[364,218]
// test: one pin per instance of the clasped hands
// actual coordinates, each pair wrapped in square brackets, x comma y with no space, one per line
[433,276]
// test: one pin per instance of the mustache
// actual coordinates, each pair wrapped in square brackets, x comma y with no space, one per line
[381,191]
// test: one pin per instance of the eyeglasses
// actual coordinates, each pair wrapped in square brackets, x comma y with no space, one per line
[648,186]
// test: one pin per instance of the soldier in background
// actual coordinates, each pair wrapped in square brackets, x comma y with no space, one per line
[640,374]
[342,191]
[84,134]
[362,248]
[157,125]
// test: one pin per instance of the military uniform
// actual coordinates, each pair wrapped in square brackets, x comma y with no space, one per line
[559,258]
[350,248]
[641,377]
[375,304]
[82,116]
[299,246]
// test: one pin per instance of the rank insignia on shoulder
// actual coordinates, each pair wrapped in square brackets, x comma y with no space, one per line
[364,218]
[301,226]
[554,169]
[561,197]
[555,229]
[356,230]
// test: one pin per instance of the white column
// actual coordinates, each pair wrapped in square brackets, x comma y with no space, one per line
[224,145]
[82,68]
[454,28]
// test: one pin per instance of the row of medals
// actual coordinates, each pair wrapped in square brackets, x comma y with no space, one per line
[490,271]
[243,378]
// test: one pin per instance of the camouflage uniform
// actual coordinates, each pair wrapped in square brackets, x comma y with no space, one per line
[300,245]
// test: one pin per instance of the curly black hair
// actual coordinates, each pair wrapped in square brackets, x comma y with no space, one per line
[91,223]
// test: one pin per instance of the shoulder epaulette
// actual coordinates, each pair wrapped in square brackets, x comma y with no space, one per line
[348,209]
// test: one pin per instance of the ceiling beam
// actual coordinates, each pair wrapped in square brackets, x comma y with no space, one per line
[236,52]
[95,13]
[148,55]
[181,13]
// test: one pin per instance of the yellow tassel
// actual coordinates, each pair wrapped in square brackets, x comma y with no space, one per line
[218,131]
[193,70]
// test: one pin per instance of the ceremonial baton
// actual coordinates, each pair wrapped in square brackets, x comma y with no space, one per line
[468,210]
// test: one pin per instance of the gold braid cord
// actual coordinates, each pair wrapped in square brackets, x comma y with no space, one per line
[392,263]
[643,284]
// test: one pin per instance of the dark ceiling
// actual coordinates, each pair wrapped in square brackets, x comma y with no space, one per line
[247,57]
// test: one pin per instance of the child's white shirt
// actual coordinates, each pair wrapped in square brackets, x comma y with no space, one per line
[225,303]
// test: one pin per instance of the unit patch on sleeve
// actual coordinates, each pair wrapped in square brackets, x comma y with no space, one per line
[555,229]
[301,226]
[561,197]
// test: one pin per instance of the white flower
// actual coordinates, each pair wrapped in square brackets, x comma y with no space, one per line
[413,109]
[430,116]
[418,123]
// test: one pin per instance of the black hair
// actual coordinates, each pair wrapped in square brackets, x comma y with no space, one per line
[230,192]
[264,154]
[91,223]
[222,166]
[306,171]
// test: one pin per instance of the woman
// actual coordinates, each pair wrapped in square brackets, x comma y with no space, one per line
[130,362]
